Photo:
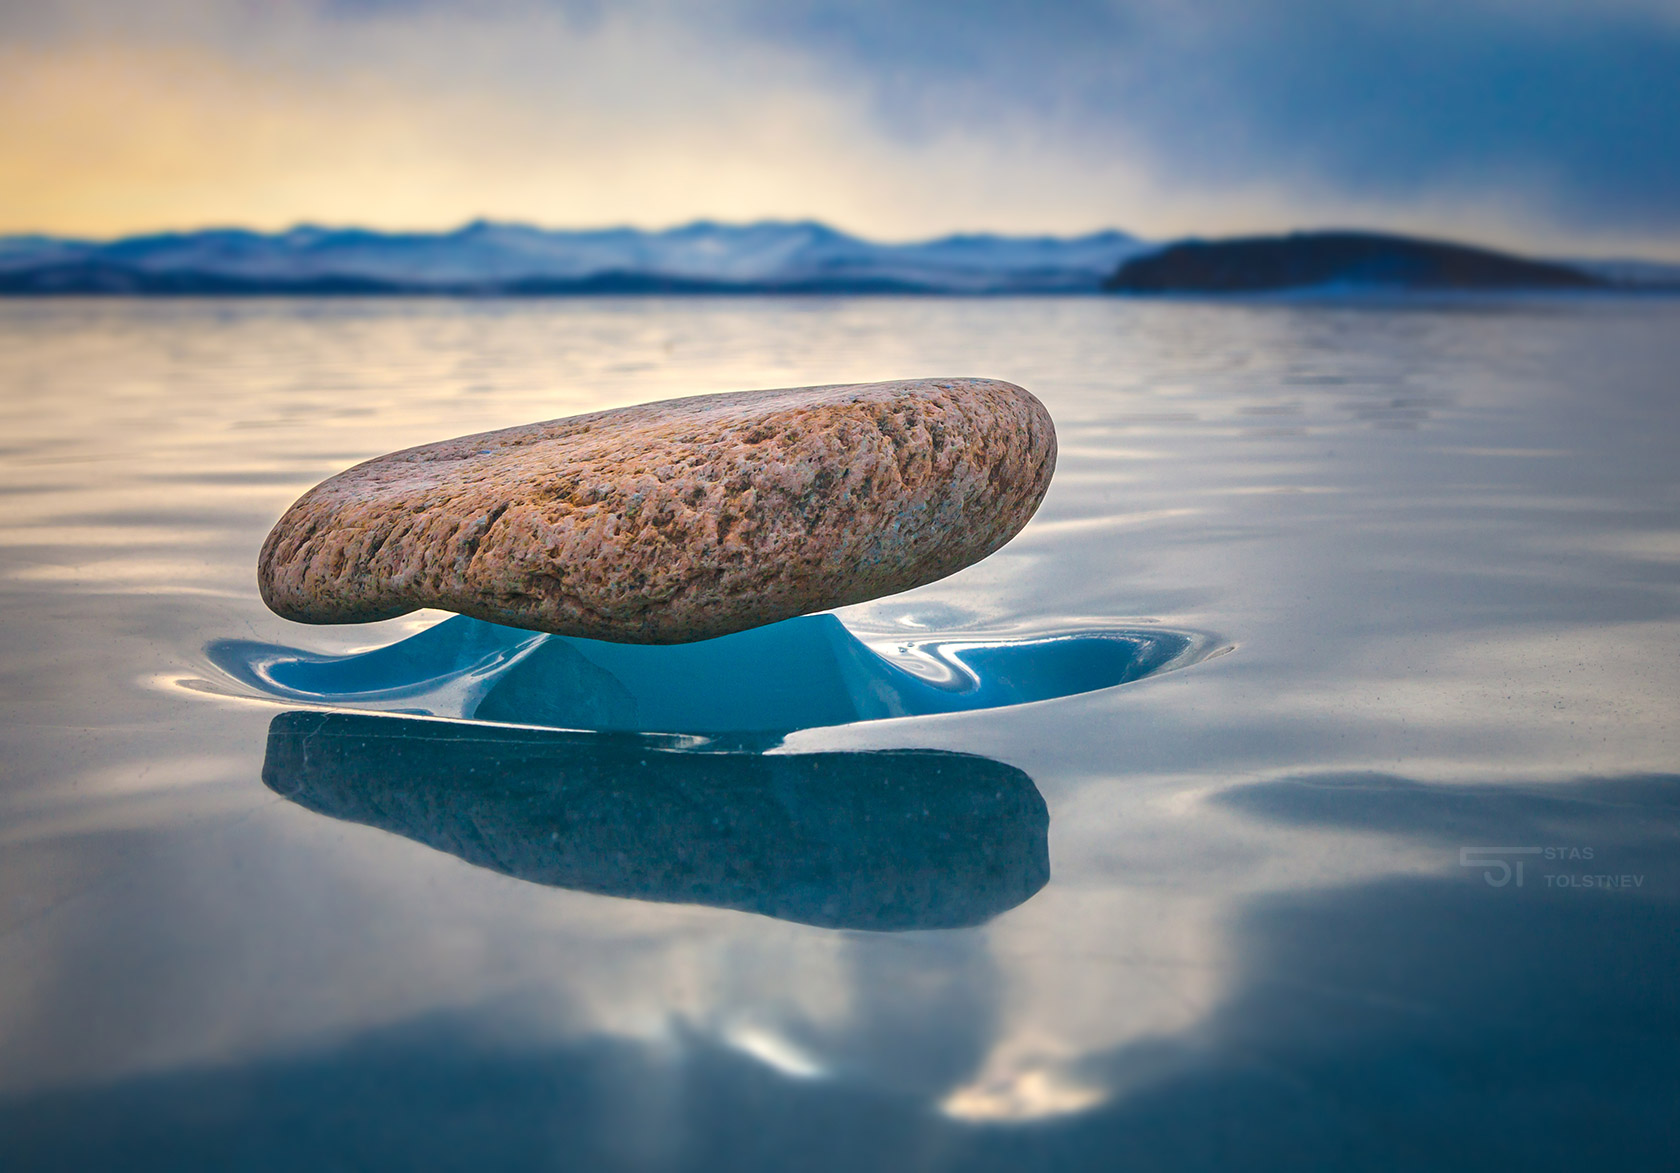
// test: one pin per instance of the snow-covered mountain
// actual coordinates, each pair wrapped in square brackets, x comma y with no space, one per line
[487,257]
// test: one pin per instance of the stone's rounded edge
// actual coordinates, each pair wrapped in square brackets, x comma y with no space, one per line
[325,560]
[272,585]
[1047,445]
[281,594]
[292,591]
[1040,428]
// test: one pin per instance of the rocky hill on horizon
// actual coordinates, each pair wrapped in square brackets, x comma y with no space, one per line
[1339,260]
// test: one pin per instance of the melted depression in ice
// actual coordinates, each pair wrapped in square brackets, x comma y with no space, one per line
[799,674]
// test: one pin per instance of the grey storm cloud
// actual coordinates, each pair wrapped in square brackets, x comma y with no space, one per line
[1543,112]
[1572,109]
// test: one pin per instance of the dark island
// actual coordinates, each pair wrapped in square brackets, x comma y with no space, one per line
[1305,260]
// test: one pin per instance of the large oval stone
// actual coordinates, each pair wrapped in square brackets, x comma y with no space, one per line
[674,521]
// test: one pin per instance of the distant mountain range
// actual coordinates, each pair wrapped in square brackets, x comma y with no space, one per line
[770,257]
[491,258]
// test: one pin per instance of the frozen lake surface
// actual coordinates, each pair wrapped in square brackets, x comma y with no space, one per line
[1300,789]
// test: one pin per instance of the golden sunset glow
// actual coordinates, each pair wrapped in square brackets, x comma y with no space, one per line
[423,114]
[112,139]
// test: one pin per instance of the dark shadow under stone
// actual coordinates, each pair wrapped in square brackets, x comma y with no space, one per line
[900,839]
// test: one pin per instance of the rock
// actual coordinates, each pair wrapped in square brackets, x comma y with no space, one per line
[674,521]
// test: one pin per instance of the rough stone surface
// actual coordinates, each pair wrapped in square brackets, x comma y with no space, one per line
[674,521]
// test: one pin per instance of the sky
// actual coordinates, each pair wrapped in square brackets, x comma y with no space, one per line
[1545,125]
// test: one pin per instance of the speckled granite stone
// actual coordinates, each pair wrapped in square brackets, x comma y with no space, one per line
[673,521]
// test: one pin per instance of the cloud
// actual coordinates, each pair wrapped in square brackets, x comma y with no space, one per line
[1567,113]
[1544,123]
